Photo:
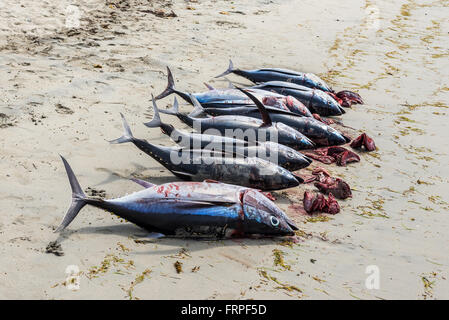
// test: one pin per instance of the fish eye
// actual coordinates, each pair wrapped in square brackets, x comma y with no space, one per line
[274,221]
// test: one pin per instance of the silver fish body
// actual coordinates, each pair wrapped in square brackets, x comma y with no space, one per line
[310,80]
[191,164]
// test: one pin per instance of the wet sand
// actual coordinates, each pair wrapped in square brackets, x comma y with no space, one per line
[63,89]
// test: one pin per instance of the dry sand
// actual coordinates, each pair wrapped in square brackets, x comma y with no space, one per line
[63,89]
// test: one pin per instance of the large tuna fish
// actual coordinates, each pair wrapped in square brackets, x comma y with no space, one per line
[231,97]
[284,156]
[190,208]
[189,164]
[241,127]
[346,98]
[315,100]
[313,129]
[276,74]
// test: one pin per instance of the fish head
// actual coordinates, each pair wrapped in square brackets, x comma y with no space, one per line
[293,137]
[316,82]
[326,135]
[262,216]
[287,157]
[335,138]
[267,175]
[332,107]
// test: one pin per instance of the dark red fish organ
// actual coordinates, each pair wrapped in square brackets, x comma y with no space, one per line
[319,203]
[363,141]
[337,154]
[348,98]
[327,184]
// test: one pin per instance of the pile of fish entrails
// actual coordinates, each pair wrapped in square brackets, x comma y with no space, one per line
[247,141]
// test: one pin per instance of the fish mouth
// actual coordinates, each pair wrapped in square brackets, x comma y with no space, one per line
[298,178]
[288,230]
[336,139]
[309,144]
[300,164]
[309,160]
[292,226]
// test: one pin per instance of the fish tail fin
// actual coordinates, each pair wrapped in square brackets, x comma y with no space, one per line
[198,108]
[170,86]
[79,199]
[127,135]
[173,110]
[156,121]
[228,71]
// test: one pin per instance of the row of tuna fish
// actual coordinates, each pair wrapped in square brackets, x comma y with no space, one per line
[246,141]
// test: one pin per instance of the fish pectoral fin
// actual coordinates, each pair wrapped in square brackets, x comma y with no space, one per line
[183,175]
[148,238]
[211,181]
[155,235]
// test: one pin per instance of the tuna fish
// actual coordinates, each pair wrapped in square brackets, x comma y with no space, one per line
[284,156]
[231,97]
[189,209]
[317,131]
[191,164]
[275,74]
[271,99]
[345,98]
[315,100]
[241,127]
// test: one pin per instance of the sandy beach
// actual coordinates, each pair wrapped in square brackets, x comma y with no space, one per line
[64,85]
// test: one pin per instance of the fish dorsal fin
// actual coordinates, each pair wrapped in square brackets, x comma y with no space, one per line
[143,183]
[208,86]
[263,111]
